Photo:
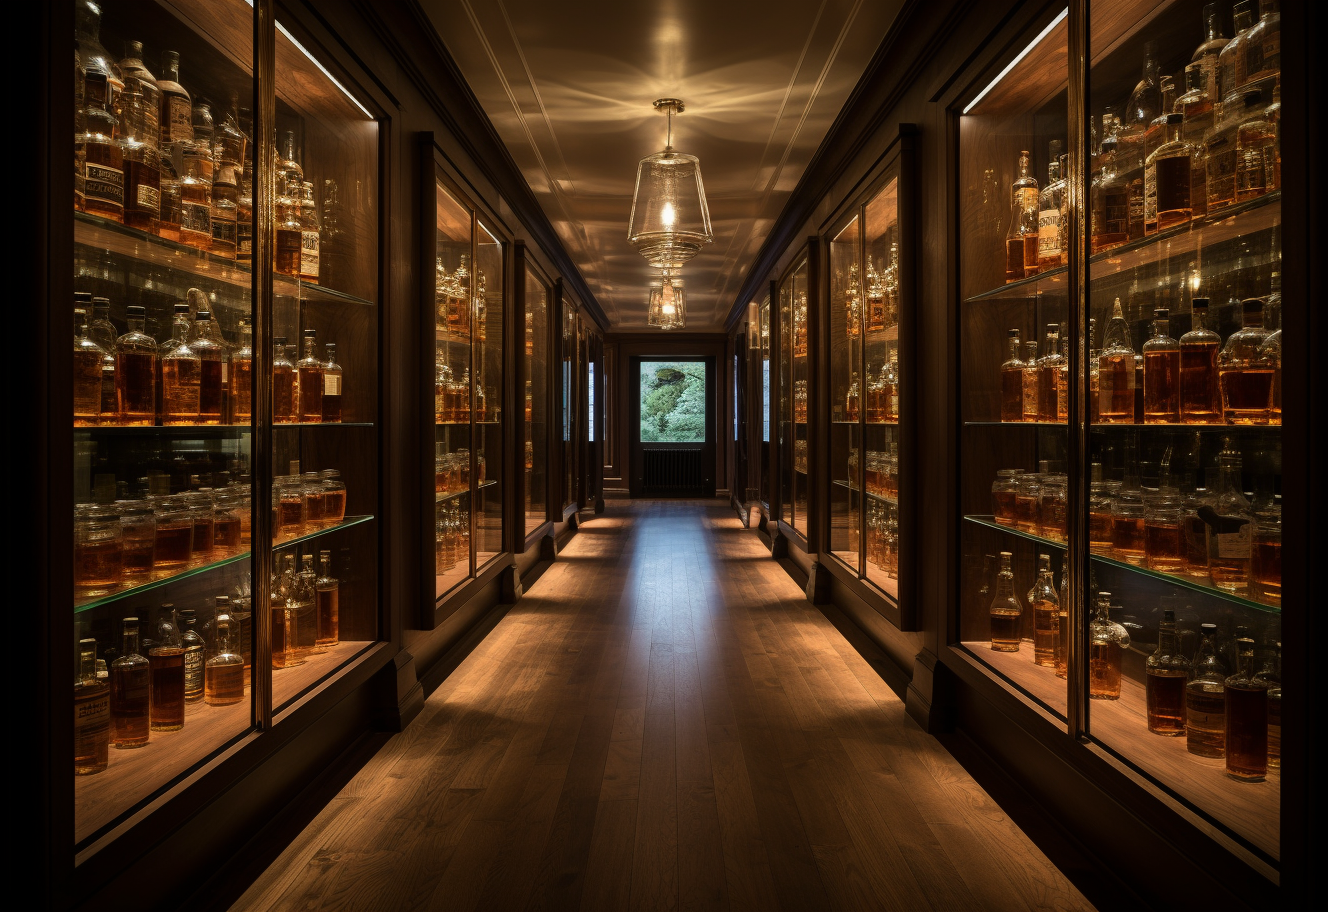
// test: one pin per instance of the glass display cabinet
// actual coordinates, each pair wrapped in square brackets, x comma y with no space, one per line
[225,390]
[796,367]
[870,321]
[537,298]
[466,307]
[1167,655]
[569,356]
[766,480]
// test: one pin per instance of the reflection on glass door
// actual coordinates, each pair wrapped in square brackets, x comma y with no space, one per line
[536,437]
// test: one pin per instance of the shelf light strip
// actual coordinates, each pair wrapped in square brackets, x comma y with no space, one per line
[322,69]
[1008,67]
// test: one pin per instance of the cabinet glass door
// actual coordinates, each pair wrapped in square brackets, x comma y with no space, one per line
[1185,438]
[763,381]
[487,412]
[794,382]
[570,346]
[536,436]
[1014,370]
[846,386]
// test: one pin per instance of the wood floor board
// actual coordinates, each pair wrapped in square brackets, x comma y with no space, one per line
[662,722]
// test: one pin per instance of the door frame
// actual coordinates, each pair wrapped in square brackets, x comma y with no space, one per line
[635,462]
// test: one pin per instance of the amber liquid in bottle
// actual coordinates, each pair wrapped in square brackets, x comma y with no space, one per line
[1012,394]
[226,533]
[130,701]
[92,714]
[242,390]
[283,394]
[1104,671]
[1164,546]
[1046,633]
[167,668]
[311,394]
[173,545]
[1161,387]
[180,384]
[98,565]
[1116,385]
[1101,530]
[1247,732]
[1206,727]
[135,381]
[1165,698]
[1127,537]
[1004,504]
[1266,569]
[1200,400]
[1247,393]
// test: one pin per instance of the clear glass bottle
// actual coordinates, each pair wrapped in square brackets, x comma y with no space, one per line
[334,493]
[1048,373]
[1273,114]
[1003,492]
[141,156]
[1164,541]
[102,331]
[174,536]
[332,380]
[1012,382]
[1200,397]
[1195,532]
[1246,718]
[1021,239]
[166,666]
[1231,527]
[1231,59]
[1266,551]
[1063,630]
[1046,615]
[1030,403]
[99,148]
[309,381]
[138,526]
[1255,149]
[1166,674]
[1006,610]
[212,360]
[92,713]
[87,39]
[195,184]
[1263,45]
[1161,373]
[1205,699]
[181,374]
[289,231]
[203,517]
[1206,54]
[1270,352]
[195,649]
[285,622]
[223,674]
[1026,502]
[176,115]
[98,550]
[328,595]
[1052,506]
[136,371]
[1128,512]
[242,375]
[224,212]
[129,678]
[1051,206]
[284,405]
[1167,178]
[1116,371]
[309,234]
[1245,377]
[1110,200]
[1144,104]
[288,163]
[244,215]
[333,241]
[1101,500]
[303,606]
[87,362]
[1107,642]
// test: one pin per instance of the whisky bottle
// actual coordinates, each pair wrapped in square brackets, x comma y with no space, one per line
[1164,540]
[194,651]
[289,231]
[230,142]
[1063,631]
[1046,615]
[166,666]
[1021,239]
[1263,46]
[852,398]
[1247,719]
[129,693]
[1006,610]
[1168,178]
[244,215]
[139,79]
[1156,134]
[87,360]
[168,224]
[1195,532]
[1110,201]
[890,389]
[176,107]
[1003,493]
[1161,373]
[876,305]
[139,526]
[174,535]
[1273,114]
[1231,59]
[94,57]
[1101,498]
[1205,699]
[242,375]
[285,619]
[1012,382]
[100,151]
[1048,372]
[309,234]
[92,714]
[224,211]
[1230,533]
[1107,642]
[142,159]
[1255,149]
[102,332]
[223,673]
[328,593]
[289,170]
[1051,205]
[136,371]
[1272,673]
[1245,377]
[1198,110]
[1128,513]
[1205,56]
[1116,375]
[211,358]
[1200,399]
[334,497]
[80,108]
[333,240]
[283,384]
[332,380]
[1270,352]
[309,380]
[1166,674]
[1266,551]
[202,518]
[304,608]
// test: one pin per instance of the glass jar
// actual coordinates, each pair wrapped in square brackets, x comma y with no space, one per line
[315,502]
[1266,552]
[174,535]
[1164,542]
[1026,502]
[1127,525]
[229,513]
[98,549]
[1052,506]
[462,469]
[1101,496]
[139,529]
[290,518]
[334,497]
[204,521]
[1003,491]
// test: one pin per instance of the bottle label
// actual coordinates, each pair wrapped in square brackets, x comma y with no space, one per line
[331,384]
[103,183]
[196,217]
[1049,234]
[1235,544]
[309,254]
[223,230]
[193,670]
[93,713]
[148,198]
[179,120]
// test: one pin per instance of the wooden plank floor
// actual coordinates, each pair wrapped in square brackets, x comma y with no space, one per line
[663,722]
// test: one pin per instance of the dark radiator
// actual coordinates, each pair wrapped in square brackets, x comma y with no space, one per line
[673,472]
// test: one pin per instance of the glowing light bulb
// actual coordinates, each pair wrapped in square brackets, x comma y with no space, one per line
[666,215]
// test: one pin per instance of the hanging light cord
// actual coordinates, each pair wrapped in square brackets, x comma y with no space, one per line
[668,144]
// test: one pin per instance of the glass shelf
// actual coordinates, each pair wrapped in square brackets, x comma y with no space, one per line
[1169,578]
[441,496]
[1111,428]
[113,237]
[199,430]
[132,591]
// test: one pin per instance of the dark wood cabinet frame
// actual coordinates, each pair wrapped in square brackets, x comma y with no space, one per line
[816,459]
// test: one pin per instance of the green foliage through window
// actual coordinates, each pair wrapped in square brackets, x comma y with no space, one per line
[673,402]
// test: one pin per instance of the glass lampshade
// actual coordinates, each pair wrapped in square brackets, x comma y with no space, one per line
[668,303]
[670,219]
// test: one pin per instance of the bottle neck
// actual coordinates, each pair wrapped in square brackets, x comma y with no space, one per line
[131,641]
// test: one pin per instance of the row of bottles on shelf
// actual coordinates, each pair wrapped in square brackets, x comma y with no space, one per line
[1171,157]
[883,537]
[1213,535]
[451,396]
[306,610]
[1216,698]
[881,475]
[130,542]
[882,300]
[451,536]
[195,377]
[1195,379]
[454,307]
[451,471]
[882,402]
[149,154]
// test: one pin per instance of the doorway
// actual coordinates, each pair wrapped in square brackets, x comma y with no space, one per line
[672,426]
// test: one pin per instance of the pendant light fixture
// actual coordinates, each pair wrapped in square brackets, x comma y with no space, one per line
[668,303]
[670,221]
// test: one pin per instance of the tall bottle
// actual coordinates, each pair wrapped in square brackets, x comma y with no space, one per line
[212,363]
[1168,178]
[1049,375]
[1206,54]
[141,156]
[1021,239]
[223,673]
[92,713]
[166,666]
[1256,148]
[176,106]
[87,38]
[1272,673]
[87,362]
[195,648]
[1116,374]
[224,212]
[130,686]
[284,405]
[1230,534]
[303,606]
[1144,105]
[1231,59]
[98,147]
[1200,399]
[1110,201]
[1266,550]
[242,375]
[1063,631]
[1263,46]
[1051,208]
[328,595]
[244,215]
[1196,106]
[1166,674]
[1270,352]
[1245,377]
[1107,642]
[289,231]
[1012,382]
[1030,384]
[1161,373]
[309,234]
[136,371]
[1046,615]
[195,187]
[332,380]
[309,380]
[1205,699]
[1247,719]
[1006,610]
